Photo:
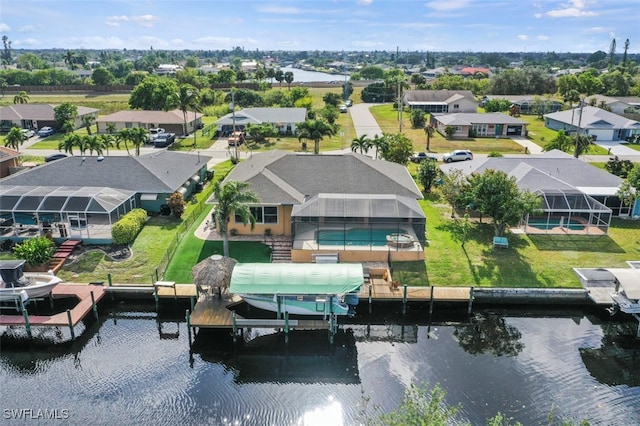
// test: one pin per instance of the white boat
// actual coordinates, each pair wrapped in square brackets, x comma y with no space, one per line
[15,284]
[299,288]
[627,294]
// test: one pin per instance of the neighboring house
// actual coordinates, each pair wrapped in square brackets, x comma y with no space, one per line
[8,161]
[82,196]
[472,71]
[593,121]
[441,101]
[344,204]
[167,69]
[170,121]
[36,116]
[611,104]
[489,125]
[529,104]
[573,192]
[283,119]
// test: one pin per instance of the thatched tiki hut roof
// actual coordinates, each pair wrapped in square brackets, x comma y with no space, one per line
[213,272]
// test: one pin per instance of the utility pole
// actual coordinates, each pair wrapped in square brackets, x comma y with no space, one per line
[233,115]
[575,152]
[400,104]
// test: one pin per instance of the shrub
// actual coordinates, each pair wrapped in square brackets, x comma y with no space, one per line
[495,154]
[128,227]
[176,204]
[35,251]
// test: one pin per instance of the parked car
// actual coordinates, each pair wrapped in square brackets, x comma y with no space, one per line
[236,138]
[45,131]
[421,156]
[53,157]
[28,133]
[153,134]
[164,139]
[457,155]
[343,108]
[348,102]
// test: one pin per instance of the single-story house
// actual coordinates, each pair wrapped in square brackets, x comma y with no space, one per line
[170,121]
[441,101]
[82,196]
[283,119]
[489,125]
[614,105]
[347,204]
[529,104]
[593,121]
[576,194]
[8,161]
[36,116]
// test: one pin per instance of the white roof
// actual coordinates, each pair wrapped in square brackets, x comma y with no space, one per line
[629,279]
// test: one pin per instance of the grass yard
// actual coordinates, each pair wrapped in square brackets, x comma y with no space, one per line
[387,119]
[540,135]
[544,261]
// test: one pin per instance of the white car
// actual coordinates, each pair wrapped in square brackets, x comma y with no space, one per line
[457,155]
[153,134]
[28,133]
[343,108]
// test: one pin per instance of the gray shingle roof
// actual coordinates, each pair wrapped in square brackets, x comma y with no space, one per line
[469,118]
[437,96]
[148,117]
[288,178]
[593,117]
[265,115]
[42,112]
[161,172]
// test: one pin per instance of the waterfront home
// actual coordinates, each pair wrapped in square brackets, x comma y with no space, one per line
[440,101]
[82,196]
[343,204]
[468,125]
[595,122]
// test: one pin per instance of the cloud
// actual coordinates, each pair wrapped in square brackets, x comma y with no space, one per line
[542,37]
[366,44]
[365,2]
[30,42]
[598,30]
[538,15]
[4,27]
[146,21]
[99,42]
[447,5]
[27,29]
[573,9]
[280,10]
[523,37]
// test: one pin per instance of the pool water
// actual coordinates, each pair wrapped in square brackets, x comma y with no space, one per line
[554,222]
[356,236]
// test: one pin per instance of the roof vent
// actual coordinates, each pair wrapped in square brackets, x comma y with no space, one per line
[100,158]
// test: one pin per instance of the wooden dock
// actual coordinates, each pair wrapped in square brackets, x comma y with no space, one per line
[382,290]
[85,305]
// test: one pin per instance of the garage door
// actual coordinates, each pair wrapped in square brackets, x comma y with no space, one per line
[602,134]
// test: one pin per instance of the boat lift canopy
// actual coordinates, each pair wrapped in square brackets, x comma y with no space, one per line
[296,278]
[629,280]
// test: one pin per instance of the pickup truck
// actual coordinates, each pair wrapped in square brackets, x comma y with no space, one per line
[153,134]
[236,139]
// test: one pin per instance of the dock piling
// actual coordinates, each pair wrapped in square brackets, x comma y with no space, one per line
[51,301]
[25,314]
[156,297]
[404,299]
[73,333]
[286,327]
[187,317]
[234,327]
[470,305]
[94,306]
[370,297]
[431,302]
[110,281]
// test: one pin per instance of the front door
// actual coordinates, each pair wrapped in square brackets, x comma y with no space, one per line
[498,130]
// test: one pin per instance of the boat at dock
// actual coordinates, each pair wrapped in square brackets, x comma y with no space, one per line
[627,285]
[299,288]
[14,283]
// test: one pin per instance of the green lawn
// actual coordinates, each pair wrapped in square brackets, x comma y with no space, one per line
[544,261]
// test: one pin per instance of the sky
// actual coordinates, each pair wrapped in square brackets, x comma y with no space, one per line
[336,25]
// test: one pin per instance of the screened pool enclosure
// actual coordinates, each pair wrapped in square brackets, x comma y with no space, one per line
[358,222]
[62,212]
[568,212]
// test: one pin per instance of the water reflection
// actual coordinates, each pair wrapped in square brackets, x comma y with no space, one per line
[308,357]
[489,334]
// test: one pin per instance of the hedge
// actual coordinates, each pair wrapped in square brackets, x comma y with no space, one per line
[128,227]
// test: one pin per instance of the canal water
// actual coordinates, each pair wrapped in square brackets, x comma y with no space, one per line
[300,75]
[135,367]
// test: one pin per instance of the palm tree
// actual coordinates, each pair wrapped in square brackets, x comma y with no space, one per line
[363,143]
[232,199]
[138,136]
[380,143]
[124,135]
[70,59]
[87,121]
[111,128]
[21,98]
[187,98]
[15,138]
[288,77]
[68,143]
[428,130]
[279,76]
[106,142]
[572,96]
[314,130]
[93,143]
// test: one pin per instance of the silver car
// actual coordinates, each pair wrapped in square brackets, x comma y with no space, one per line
[457,155]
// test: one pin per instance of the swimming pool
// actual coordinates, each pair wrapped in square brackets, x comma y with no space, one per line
[554,222]
[355,236]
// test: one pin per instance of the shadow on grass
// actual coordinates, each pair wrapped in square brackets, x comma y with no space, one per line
[585,243]
[411,273]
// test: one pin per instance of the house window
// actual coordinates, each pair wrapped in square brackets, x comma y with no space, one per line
[128,125]
[456,106]
[262,214]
